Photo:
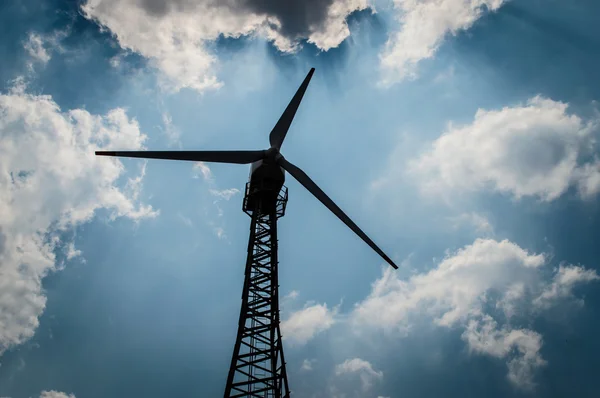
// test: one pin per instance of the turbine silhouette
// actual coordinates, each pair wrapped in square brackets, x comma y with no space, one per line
[257,365]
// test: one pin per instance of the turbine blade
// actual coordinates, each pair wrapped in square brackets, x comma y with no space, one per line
[309,184]
[240,157]
[283,124]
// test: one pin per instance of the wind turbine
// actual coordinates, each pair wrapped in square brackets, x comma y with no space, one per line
[257,365]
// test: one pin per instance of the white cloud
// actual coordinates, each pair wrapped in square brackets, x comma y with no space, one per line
[50,180]
[512,298]
[565,280]
[35,48]
[588,177]
[520,346]
[115,61]
[454,290]
[173,134]
[220,232]
[424,26]
[479,222]
[335,29]
[361,368]
[55,394]
[71,251]
[40,46]
[536,149]
[176,37]
[306,323]
[186,220]
[224,194]
[462,289]
[201,169]
[307,365]
[288,300]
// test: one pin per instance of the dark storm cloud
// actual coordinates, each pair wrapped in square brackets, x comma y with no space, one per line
[296,16]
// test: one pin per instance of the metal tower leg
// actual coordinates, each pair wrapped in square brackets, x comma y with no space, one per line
[257,365]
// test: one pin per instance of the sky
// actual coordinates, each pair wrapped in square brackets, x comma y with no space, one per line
[460,135]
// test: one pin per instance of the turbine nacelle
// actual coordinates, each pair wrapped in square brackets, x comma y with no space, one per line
[266,172]
[267,175]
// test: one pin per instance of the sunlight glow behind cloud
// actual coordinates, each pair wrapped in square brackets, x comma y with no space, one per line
[176,36]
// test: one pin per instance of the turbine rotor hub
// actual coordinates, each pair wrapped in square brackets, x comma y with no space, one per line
[273,154]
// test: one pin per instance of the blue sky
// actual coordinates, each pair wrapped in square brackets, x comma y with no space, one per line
[460,135]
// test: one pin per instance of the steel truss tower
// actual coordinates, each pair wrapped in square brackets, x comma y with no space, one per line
[258,365]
